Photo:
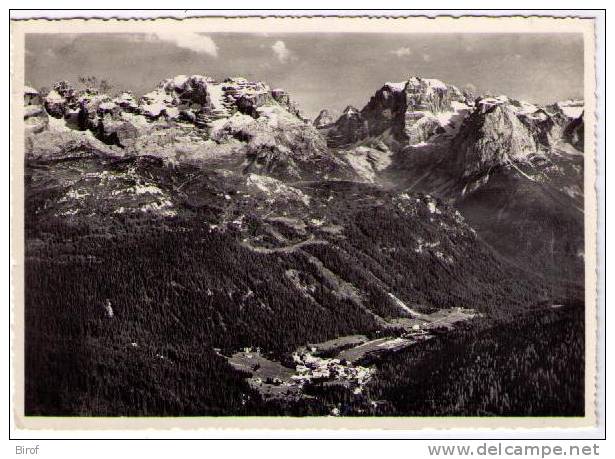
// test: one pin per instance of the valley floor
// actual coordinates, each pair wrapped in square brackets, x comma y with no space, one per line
[471,359]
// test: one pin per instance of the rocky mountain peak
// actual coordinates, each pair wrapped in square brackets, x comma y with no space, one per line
[502,130]
[411,111]
[349,127]
[430,94]
[323,119]
[571,108]
[574,132]
[492,135]
[350,110]
[477,133]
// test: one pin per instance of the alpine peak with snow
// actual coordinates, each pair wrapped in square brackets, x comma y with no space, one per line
[512,167]
[206,249]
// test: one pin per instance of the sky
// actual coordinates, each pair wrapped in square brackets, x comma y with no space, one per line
[319,70]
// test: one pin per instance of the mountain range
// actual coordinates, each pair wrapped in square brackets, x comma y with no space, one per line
[214,215]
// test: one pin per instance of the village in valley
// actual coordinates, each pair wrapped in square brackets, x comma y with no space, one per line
[347,361]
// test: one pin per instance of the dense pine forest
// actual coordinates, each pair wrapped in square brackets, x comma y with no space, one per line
[530,366]
[133,316]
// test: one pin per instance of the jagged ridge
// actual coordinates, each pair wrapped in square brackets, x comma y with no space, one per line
[195,118]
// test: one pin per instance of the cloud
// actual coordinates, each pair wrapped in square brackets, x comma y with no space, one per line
[426,57]
[190,40]
[281,51]
[401,52]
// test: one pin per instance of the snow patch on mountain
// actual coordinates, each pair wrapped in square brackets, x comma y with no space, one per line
[397,87]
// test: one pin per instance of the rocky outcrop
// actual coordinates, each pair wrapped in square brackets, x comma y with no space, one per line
[424,101]
[58,141]
[323,120]
[31,96]
[349,128]
[283,98]
[55,104]
[117,130]
[53,138]
[571,109]
[367,162]
[35,117]
[571,114]
[90,107]
[420,127]
[201,100]
[127,102]
[102,115]
[545,128]
[574,133]
[274,141]
[59,99]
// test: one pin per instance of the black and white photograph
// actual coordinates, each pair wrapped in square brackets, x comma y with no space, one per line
[384,224]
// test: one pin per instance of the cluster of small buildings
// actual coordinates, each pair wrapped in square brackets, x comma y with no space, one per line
[310,367]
